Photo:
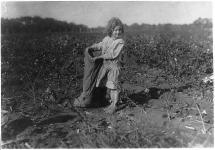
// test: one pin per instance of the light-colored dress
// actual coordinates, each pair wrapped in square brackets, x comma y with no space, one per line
[112,50]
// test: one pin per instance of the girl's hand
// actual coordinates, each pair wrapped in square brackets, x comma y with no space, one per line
[88,48]
[95,58]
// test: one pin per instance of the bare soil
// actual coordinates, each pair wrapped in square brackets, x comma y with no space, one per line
[160,117]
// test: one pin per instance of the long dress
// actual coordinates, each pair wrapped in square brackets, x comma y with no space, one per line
[112,52]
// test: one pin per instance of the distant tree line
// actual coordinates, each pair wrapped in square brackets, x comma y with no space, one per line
[42,25]
[38,25]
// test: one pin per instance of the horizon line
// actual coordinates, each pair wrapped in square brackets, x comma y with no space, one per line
[105,25]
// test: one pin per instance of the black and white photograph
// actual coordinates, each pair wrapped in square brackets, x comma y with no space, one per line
[107,74]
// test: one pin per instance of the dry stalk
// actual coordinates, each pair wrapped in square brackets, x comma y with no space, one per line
[11,141]
[167,104]
[9,98]
[32,88]
[203,124]
[149,141]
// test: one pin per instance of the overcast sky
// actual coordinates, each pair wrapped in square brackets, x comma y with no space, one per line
[95,14]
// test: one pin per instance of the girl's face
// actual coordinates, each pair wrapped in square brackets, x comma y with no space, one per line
[117,32]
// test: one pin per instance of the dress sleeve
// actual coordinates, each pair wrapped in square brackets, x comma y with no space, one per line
[98,46]
[113,52]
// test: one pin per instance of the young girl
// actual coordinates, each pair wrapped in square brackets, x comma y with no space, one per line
[112,49]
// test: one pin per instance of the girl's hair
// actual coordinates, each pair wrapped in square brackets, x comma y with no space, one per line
[112,23]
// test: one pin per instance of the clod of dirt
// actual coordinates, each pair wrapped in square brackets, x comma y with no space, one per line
[57,119]
[14,127]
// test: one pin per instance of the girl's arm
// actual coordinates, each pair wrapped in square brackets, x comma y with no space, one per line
[113,52]
[94,48]
[98,46]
